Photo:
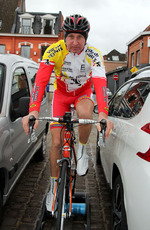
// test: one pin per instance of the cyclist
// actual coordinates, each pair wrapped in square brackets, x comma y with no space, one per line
[77,65]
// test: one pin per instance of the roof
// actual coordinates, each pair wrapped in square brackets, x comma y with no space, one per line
[13,58]
[7,13]
[144,33]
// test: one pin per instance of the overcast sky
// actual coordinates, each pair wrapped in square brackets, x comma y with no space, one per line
[113,22]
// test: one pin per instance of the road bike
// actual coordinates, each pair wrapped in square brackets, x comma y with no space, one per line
[66,201]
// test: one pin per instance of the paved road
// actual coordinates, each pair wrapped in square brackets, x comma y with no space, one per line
[23,210]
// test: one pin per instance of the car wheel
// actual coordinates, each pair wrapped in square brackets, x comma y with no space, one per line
[98,158]
[118,217]
[41,153]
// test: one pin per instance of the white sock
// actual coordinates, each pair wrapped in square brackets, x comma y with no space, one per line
[53,183]
[81,150]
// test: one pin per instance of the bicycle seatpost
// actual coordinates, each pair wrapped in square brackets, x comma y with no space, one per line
[103,124]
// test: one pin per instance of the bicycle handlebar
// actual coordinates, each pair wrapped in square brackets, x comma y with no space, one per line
[64,120]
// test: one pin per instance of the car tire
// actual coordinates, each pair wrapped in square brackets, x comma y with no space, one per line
[41,153]
[98,158]
[118,215]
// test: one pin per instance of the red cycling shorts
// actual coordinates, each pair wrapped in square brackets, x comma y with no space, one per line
[61,103]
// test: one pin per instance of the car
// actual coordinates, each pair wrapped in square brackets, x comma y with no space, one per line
[125,157]
[17,75]
[109,93]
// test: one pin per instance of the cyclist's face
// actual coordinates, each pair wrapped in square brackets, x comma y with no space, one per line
[75,42]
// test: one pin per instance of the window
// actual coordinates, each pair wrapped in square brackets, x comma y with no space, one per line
[132,59]
[48,22]
[32,74]
[43,48]
[26,26]
[131,103]
[19,89]
[138,57]
[114,104]
[25,51]
[115,58]
[48,26]
[2,49]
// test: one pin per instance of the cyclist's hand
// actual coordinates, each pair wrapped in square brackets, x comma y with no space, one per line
[109,127]
[25,121]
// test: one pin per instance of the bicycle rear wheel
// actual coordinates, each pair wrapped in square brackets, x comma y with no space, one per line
[61,198]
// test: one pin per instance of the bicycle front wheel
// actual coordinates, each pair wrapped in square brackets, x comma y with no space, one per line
[61,198]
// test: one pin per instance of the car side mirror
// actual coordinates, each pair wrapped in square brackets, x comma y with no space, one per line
[95,109]
[23,108]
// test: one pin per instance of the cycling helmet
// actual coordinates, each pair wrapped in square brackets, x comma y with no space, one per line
[76,24]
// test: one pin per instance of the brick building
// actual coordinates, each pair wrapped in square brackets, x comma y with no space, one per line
[139,49]
[27,33]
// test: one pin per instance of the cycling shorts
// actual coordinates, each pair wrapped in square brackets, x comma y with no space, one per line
[61,103]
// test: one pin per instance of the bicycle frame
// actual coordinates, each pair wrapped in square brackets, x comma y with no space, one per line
[66,151]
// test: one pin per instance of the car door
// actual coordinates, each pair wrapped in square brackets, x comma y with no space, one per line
[19,88]
[115,142]
[123,109]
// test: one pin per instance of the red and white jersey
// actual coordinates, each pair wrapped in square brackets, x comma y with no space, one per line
[73,73]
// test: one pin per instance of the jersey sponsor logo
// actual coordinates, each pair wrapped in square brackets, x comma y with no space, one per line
[106,108]
[32,106]
[82,69]
[94,56]
[35,93]
[54,50]
[46,62]
[67,63]
[66,69]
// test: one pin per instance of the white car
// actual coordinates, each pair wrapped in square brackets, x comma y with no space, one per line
[125,157]
[109,93]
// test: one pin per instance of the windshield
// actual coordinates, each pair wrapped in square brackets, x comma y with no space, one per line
[1,85]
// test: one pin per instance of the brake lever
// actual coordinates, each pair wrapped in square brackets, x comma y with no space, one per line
[103,124]
[31,135]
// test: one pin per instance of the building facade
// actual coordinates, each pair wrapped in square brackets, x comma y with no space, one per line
[139,49]
[30,33]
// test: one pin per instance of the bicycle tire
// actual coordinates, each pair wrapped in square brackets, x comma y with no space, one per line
[61,197]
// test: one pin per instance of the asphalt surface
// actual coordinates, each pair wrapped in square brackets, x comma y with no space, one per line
[24,209]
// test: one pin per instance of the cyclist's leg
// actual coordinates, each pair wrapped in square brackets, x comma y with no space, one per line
[84,107]
[84,110]
[59,107]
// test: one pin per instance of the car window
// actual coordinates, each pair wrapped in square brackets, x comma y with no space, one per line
[32,74]
[132,101]
[2,79]
[20,88]
[115,102]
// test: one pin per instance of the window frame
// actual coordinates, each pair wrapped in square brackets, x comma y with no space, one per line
[29,51]
[2,46]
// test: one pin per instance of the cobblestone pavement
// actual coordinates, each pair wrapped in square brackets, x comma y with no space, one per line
[23,210]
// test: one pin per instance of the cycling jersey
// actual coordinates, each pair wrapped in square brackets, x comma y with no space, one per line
[74,73]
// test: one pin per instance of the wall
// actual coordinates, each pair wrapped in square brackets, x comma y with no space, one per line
[12,41]
[139,44]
